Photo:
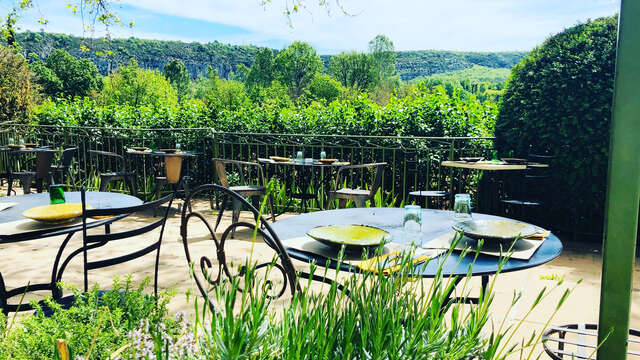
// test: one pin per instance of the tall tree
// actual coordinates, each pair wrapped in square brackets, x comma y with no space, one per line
[383,52]
[64,75]
[354,70]
[261,72]
[176,72]
[240,73]
[17,94]
[133,86]
[296,66]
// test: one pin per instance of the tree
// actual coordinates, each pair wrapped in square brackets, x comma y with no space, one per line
[240,73]
[354,70]
[178,75]
[64,75]
[296,66]
[17,94]
[133,86]
[383,52]
[324,87]
[261,72]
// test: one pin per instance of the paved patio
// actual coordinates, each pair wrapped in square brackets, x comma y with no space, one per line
[32,261]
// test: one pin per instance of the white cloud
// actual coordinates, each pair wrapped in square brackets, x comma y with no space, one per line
[482,25]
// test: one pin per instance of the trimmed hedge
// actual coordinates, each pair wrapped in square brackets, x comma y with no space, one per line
[559,100]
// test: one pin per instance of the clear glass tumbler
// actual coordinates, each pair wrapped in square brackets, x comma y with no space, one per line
[412,222]
[299,157]
[323,155]
[462,207]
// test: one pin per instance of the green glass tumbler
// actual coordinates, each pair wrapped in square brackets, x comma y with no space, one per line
[56,194]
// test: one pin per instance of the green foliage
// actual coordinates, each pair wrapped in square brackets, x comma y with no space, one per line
[425,112]
[480,81]
[64,75]
[296,66]
[384,56]
[261,72]
[240,74]
[98,324]
[17,92]
[324,87]
[559,99]
[176,72]
[133,86]
[354,70]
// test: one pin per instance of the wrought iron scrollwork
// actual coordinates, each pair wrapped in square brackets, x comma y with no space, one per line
[206,277]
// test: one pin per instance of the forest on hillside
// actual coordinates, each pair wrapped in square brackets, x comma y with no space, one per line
[155,54]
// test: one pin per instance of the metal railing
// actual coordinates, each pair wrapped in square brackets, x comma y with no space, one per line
[413,162]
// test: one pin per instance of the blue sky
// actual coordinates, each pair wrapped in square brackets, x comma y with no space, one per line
[473,25]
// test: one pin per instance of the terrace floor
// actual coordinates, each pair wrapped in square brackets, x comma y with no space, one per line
[31,261]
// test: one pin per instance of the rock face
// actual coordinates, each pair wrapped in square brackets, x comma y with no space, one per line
[154,54]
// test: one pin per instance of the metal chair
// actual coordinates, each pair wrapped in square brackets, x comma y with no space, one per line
[578,341]
[528,190]
[244,171]
[41,172]
[121,174]
[209,268]
[59,171]
[357,195]
[97,240]
[412,164]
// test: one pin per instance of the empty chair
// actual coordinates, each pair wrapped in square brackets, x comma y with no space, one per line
[423,196]
[64,169]
[357,195]
[527,190]
[40,172]
[120,174]
[248,181]
[209,261]
[92,259]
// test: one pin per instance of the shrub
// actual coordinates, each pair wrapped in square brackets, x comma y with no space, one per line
[17,93]
[559,99]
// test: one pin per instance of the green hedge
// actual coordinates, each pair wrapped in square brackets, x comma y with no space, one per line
[424,113]
[559,99]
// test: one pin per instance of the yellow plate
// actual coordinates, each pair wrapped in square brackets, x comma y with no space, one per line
[54,214]
[279,158]
[328,161]
[351,236]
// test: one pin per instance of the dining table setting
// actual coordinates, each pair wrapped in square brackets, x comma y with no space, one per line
[455,243]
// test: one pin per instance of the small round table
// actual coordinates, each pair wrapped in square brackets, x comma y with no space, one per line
[435,223]
[15,228]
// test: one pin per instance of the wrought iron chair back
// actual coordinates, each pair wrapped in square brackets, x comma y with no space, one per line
[204,267]
[91,241]
[119,160]
[358,196]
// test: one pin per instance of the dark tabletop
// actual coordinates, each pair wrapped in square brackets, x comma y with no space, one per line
[310,164]
[435,223]
[162,153]
[95,199]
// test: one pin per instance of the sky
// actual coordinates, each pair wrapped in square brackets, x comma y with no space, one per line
[343,25]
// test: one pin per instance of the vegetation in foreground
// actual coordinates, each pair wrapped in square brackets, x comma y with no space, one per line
[382,317]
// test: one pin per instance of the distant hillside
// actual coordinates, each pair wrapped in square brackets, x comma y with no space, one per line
[154,54]
[475,74]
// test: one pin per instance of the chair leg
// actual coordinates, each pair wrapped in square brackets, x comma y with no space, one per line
[104,182]
[342,203]
[26,184]
[360,202]
[237,207]
[9,184]
[187,192]
[133,186]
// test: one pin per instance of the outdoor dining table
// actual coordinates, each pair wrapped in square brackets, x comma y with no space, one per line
[435,223]
[303,172]
[487,195]
[14,228]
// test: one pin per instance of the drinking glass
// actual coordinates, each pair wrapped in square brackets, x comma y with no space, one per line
[21,141]
[56,194]
[412,222]
[12,141]
[462,207]
[178,147]
[494,157]
[299,157]
[323,155]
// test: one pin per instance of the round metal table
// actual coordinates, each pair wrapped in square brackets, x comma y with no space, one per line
[15,228]
[435,223]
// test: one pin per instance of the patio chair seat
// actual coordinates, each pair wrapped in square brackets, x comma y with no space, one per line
[249,190]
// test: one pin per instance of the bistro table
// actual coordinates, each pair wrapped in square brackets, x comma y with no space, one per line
[494,169]
[15,228]
[304,172]
[435,223]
